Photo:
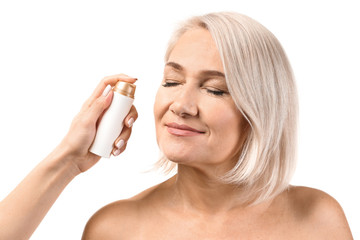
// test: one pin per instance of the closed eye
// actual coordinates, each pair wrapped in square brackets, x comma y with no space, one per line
[216,92]
[170,84]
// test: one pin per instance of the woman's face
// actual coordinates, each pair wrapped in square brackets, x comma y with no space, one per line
[197,122]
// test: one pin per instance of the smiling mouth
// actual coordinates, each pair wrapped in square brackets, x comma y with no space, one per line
[182,130]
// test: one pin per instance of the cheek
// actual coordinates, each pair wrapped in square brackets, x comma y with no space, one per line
[225,117]
[225,123]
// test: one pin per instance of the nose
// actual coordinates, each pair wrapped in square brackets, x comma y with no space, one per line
[185,103]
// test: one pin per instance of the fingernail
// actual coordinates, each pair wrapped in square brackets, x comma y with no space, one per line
[120,144]
[116,152]
[106,91]
[131,122]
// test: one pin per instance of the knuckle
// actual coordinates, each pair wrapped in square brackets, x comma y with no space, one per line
[126,133]
[135,111]
[105,80]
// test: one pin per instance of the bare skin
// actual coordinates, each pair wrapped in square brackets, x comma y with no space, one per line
[193,204]
[198,126]
[163,212]
[25,207]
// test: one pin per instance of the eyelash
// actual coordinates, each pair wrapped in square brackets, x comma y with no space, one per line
[170,84]
[213,92]
[216,92]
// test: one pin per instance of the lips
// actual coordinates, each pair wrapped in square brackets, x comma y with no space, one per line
[182,130]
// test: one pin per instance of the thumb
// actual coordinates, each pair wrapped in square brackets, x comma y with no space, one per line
[101,103]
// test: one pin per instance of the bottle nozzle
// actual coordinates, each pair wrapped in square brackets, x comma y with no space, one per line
[125,88]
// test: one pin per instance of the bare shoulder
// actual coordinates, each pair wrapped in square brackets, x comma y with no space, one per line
[319,213]
[118,219]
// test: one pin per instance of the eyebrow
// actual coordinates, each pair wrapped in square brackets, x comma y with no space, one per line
[212,73]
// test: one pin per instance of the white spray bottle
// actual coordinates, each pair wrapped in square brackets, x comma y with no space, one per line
[111,124]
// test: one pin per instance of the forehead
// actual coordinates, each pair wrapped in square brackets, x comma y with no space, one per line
[196,51]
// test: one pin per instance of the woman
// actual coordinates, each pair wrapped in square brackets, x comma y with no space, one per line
[225,115]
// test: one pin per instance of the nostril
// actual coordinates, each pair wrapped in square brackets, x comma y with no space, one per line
[183,110]
[184,104]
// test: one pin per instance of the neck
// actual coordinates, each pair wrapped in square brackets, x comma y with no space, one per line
[196,190]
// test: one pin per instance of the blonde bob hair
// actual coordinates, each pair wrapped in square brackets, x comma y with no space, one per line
[260,80]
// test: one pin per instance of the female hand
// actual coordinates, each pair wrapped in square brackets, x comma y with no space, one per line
[24,208]
[83,128]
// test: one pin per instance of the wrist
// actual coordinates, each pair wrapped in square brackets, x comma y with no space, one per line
[62,160]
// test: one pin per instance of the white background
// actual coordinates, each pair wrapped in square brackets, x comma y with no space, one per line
[54,53]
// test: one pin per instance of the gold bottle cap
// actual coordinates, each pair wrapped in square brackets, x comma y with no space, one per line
[125,88]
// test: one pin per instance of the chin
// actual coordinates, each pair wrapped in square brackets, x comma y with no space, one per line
[183,152]
[178,156]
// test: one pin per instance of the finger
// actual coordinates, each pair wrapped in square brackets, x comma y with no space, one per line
[121,142]
[124,136]
[118,151]
[131,117]
[110,80]
[99,106]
